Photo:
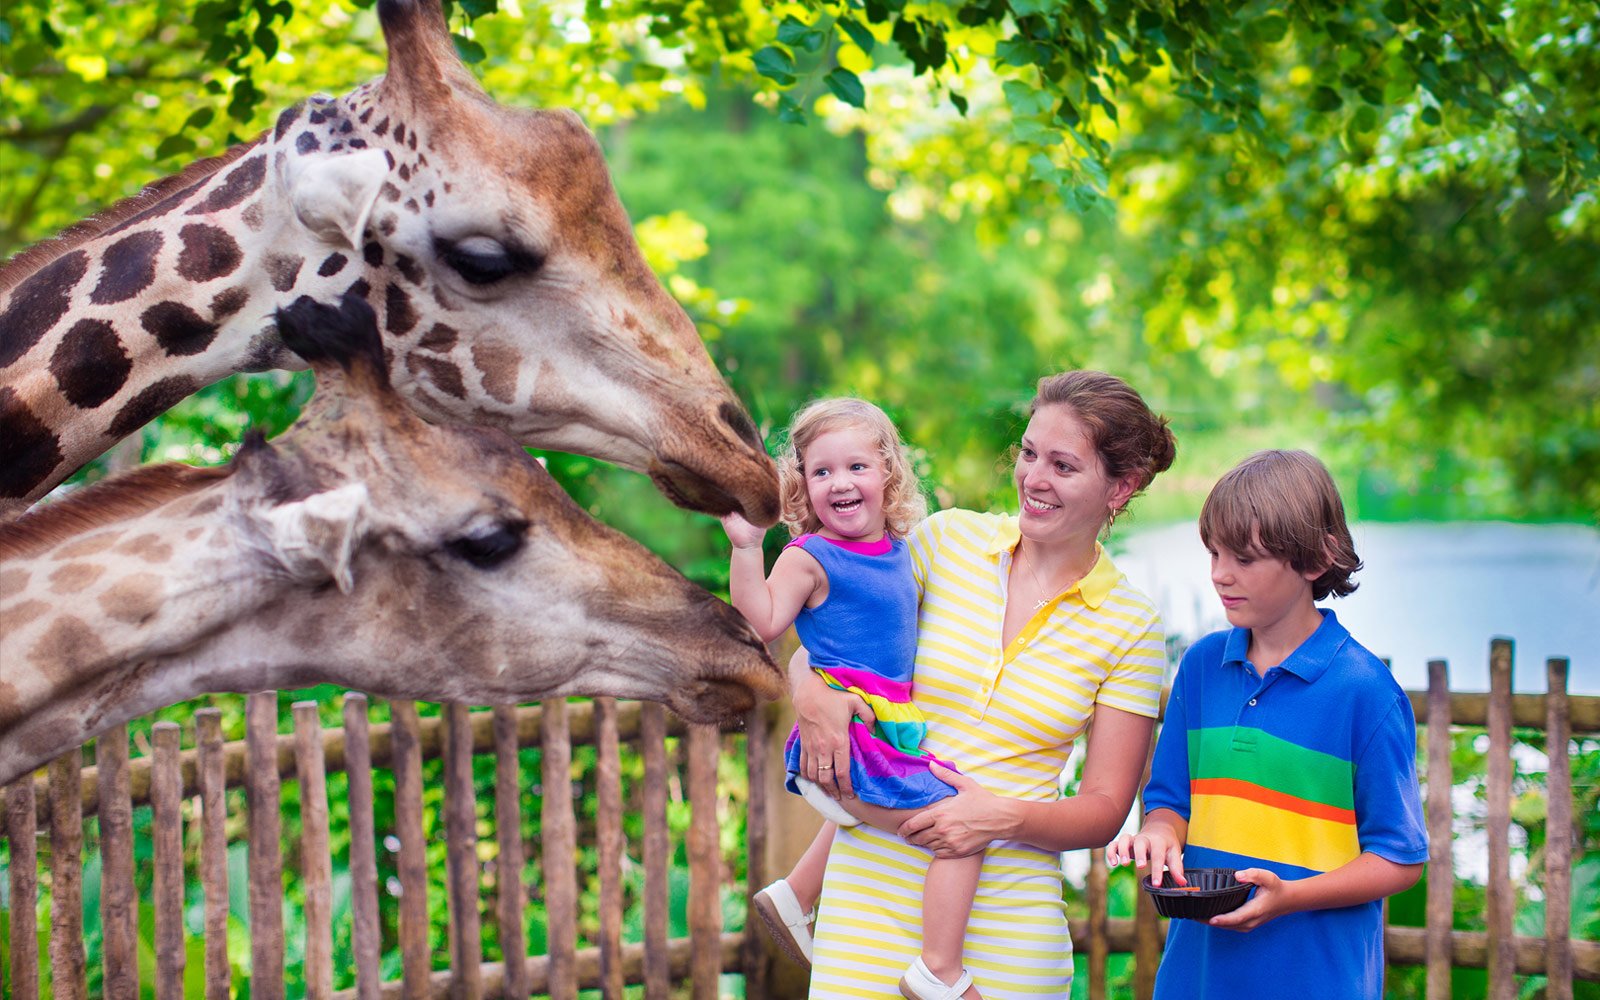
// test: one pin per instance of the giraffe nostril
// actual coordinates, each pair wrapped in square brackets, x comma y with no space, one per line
[741,425]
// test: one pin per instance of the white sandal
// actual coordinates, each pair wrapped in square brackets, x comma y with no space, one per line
[790,926]
[920,984]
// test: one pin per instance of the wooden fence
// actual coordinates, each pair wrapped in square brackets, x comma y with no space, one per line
[55,806]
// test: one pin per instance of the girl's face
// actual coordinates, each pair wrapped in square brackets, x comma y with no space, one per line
[844,484]
[1062,486]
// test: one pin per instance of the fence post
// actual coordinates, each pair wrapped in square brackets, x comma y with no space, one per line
[213,850]
[412,865]
[262,797]
[1440,918]
[652,739]
[1099,923]
[757,965]
[560,843]
[508,863]
[119,906]
[316,867]
[22,833]
[166,799]
[608,834]
[1558,836]
[1502,946]
[705,911]
[365,933]
[461,855]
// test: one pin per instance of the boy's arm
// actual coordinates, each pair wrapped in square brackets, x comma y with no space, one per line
[1366,878]
[769,604]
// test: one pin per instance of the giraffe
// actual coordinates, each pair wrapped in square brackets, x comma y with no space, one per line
[490,241]
[363,547]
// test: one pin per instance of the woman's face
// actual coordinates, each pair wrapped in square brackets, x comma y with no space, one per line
[1062,487]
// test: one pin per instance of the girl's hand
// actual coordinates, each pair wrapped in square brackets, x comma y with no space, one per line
[965,823]
[824,716]
[1271,899]
[1155,847]
[742,533]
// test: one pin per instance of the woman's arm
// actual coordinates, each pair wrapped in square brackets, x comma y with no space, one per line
[967,822]
[823,715]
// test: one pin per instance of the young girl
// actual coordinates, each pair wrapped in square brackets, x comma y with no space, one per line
[845,582]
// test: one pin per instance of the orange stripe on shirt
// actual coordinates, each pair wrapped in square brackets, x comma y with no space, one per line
[1235,788]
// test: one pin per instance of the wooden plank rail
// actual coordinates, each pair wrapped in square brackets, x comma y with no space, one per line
[488,879]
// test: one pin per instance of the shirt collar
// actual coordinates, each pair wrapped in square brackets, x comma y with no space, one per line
[1095,586]
[1308,662]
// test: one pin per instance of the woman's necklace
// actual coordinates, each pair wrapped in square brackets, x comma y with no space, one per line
[1045,595]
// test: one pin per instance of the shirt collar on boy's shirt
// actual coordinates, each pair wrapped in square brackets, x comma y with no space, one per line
[1309,661]
[1095,586]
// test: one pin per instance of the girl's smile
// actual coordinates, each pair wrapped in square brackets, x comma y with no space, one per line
[844,484]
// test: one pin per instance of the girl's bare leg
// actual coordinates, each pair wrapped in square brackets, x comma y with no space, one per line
[805,878]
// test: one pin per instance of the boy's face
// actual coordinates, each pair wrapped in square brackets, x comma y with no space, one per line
[1259,590]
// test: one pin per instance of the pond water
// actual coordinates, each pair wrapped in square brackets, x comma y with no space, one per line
[1428,591]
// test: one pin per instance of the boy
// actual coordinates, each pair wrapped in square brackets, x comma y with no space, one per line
[1288,753]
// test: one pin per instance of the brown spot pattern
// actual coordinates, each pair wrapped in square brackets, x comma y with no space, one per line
[334,263]
[18,615]
[241,183]
[178,329]
[148,547]
[283,269]
[497,363]
[89,364]
[440,337]
[29,451]
[127,268]
[38,304]
[13,582]
[255,216]
[151,403]
[399,316]
[134,600]
[444,374]
[69,642]
[73,577]
[208,253]
[88,545]
[227,302]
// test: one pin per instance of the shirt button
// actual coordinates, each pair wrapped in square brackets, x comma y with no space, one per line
[1252,702]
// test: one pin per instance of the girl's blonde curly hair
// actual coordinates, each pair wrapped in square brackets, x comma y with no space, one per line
[903,503]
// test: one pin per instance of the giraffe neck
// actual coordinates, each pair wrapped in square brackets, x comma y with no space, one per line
[108,327]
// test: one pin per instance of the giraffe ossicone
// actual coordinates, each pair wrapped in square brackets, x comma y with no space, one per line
[363,547]
[503,269]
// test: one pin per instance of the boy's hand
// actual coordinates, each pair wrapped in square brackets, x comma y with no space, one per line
[742,533]
[1156,846]
[1271,900]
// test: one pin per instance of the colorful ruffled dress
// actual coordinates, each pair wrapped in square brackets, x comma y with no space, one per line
[863,639]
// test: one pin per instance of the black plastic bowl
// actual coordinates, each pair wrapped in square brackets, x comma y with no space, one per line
[1210,891]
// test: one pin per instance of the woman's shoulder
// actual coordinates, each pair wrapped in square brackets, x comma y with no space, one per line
[959,519]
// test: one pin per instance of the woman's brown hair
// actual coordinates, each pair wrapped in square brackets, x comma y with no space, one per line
[1127,435]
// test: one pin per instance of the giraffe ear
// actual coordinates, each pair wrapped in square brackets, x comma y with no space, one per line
[315,538]
[333,193]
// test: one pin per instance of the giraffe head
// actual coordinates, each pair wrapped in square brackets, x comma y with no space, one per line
[364,547]
[511,289]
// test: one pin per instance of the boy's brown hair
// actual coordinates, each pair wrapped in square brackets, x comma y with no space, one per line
[1284,504]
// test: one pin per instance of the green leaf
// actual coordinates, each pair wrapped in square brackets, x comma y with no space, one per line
[959,102]
[266,40]
[48,33]
[776,64]
[479,8]
[1395,11]
[1365,119]
[1026,8]
[859,34]
[789,111]
[5,31]
[469,50]
[200,118]
[175,145]
[1326,99]
[846,86]
[1025,99]
[1270,28]
[798,34]
[1015,52]
[1032,133]
[1431,116]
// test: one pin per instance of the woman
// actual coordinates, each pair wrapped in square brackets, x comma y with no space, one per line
[1025,630]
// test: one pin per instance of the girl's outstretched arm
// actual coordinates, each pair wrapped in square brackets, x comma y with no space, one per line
[769,604]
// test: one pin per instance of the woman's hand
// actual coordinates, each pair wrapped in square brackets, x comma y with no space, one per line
[965,823]
[824,716]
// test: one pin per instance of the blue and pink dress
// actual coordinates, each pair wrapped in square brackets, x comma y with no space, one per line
[863,639]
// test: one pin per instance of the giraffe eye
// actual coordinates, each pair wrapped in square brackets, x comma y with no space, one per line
[489,548]
[483,261]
